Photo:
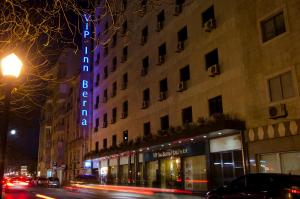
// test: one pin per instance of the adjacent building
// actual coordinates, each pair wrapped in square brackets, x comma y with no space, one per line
[191,94]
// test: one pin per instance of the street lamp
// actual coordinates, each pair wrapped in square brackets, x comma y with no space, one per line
[13,132]
[11,67]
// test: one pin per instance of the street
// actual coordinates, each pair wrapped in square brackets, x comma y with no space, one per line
[54,193]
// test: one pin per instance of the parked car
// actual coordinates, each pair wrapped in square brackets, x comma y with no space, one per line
[53,182]
[15,184]
[41,181]
[260,186]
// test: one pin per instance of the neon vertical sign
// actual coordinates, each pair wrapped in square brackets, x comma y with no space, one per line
[85,70]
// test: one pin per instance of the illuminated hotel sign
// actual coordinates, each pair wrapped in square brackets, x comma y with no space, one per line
[85,71]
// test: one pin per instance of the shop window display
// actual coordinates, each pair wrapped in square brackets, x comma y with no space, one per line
[152,173]
[170,172]
[195,176]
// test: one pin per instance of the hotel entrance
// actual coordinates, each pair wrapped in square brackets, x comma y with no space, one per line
[170,170]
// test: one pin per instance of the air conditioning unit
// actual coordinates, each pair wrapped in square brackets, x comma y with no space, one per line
[124,86]
[180,46]
[277,111]
[162,96]
[123,115]
[214,70]
[143,40]
[113,120]
[145,104]
[182,86]
[104,124]
[144,71]
[210,25]
[178,9]
[161,59]
[159,26]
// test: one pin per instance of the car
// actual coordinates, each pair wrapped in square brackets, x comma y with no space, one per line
[53,182]
[41,181]
[260,186]
[15,184]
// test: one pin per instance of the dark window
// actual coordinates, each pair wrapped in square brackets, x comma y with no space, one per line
[215,105]
[164,122]
[211,58]
[105,95]
[125,81]
[144,35]
[208,14]
[125,54]
[124,27]
[114,40]
[187,115]
[178,6]
[185,73]
[98,58]
[145,63]
[114,63]
[97,79]
[114,140]
[160,20]
[146,95]
[182,34]
[124,5]
[125,136]
[163,85]
[106,26]
[281,87]
[105,143]
[97,102]
[105,120]
[96,124]
[105,71]
[96,146]
[114,115]
[114,89]
[147,128]
[125,109]
[105,52]
[273,27]
[162,50]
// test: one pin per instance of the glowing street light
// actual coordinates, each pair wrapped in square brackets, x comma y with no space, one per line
[11,67]
[13,132]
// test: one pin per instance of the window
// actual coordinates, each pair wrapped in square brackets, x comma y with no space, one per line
[114,64]
[97,146]
[105,71]
[96,125]
[143,8]
[185,73]
[164,122]
[144,37]
[147,129]
[124,5]
[215,105]
[160,20]
[273,27]
[105,95]
[281,87]
[125,136]
[114,89]
[124,54]
[106,27]
[97,102]
[125,109]
[208,15]
[97,79]
[163,89]
[182,36]
[146,95]
[211,58]
[124,28]
[162,52]
[178,6]
[145,67]
[124,81]
[187,115]
[105,51]
[114,140]
[114,40]
[98,59]
[104,120]
[105,143]
[114,116]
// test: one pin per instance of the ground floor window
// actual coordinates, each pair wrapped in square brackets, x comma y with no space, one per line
[288,162]
[195,176]
[152,174]
[170,169]
[124,174]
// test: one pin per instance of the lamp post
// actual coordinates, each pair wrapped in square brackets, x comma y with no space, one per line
[11,67]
